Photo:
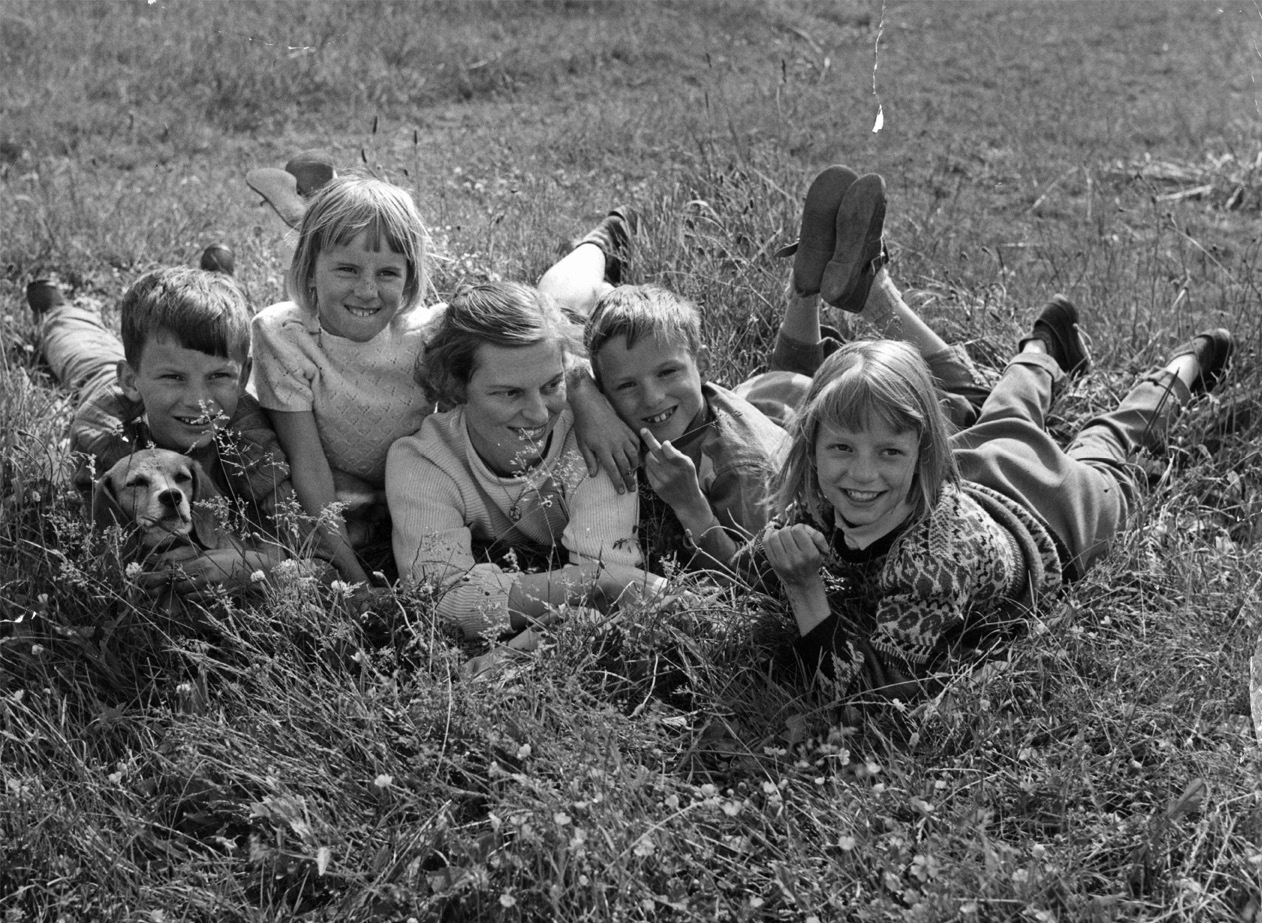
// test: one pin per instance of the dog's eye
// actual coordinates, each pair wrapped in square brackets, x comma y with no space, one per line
[139,480]
[183,478]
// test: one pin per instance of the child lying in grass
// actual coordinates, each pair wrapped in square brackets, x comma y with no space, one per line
[175,379]
[898,544]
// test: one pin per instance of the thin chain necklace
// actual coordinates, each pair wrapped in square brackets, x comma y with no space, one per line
[533,482]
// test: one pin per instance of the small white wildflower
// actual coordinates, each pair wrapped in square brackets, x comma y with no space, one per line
[258,577]
[343,589]
[133,570]
[383,781]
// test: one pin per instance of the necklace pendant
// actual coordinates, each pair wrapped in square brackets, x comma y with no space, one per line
[514,513]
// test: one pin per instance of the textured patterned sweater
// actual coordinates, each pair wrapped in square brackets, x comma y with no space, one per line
[977,565]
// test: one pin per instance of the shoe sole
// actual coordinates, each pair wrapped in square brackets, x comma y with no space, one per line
[218,258]
[860,225]
[280,189]
[1064,319]
[818,238]
[1211,372]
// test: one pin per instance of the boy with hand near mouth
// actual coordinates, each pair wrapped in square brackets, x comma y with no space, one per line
[175,379]
[709,455]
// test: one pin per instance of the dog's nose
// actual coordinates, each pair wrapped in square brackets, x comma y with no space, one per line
[170,498]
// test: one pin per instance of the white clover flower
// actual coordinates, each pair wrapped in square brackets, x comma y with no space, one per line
[383,781]
[258,577]
[133,570]
[344,589]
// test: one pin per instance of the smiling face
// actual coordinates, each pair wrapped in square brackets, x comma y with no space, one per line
[185,392]
[654,385]
[512,402]
[867,475]
[358,290]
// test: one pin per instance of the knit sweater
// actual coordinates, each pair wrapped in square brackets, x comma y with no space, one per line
[975,566]
[364,395]
[455,520]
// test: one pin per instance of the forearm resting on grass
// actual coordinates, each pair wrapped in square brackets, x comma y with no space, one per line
[191,573]
[534,597]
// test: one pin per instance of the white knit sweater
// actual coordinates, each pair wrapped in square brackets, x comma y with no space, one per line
[443,498]
[363,395]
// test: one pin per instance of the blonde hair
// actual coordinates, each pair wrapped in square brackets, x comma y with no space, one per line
[862,383]
[346,207]
[499,313]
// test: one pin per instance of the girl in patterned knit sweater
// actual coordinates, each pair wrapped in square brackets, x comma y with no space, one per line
[898,543]
[333,367]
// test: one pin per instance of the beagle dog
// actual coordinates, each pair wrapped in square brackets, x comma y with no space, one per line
[155,494]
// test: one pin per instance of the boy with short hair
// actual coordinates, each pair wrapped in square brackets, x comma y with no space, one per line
[174,380]
[709,454]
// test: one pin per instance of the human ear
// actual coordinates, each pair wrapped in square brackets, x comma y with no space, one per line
[702,358]
[127,380]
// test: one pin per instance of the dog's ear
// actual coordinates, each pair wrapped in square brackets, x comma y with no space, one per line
[106,510]
[207,530]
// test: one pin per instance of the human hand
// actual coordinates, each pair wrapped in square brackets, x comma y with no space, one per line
[622,585]
[606,442]
[795,552]
[673,477]
[195,575]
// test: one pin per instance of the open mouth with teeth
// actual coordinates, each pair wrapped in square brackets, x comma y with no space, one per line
[362,313]
[861,496]
[201,421]
[660,418]
[533,434]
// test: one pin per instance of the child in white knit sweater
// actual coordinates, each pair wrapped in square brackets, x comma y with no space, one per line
[333,366]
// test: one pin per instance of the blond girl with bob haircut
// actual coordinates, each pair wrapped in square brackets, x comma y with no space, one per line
[333,365]
[899,546]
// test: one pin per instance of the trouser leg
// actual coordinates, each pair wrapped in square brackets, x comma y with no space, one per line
[1084,494]
[82,354]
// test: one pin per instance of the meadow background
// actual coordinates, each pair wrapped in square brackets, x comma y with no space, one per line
[298,762]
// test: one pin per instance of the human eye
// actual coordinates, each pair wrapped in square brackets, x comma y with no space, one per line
[554,385]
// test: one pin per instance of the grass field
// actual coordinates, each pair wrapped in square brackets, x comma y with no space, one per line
[308,764]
